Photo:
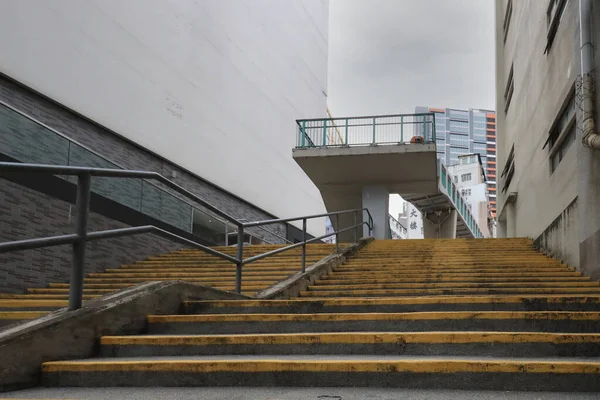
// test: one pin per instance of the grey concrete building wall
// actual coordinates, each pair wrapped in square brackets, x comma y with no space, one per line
[26,213]
[589,177]
[556,206]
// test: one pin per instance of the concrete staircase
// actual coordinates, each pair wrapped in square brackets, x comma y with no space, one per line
[456,314]
[188,265]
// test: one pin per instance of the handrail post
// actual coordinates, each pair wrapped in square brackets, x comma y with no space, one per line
[324,133]
[303,129]
[337,235]
[303,244]
[355,226]
[240,258]
[346,133]
[82,207]
[402,129]
[374,124]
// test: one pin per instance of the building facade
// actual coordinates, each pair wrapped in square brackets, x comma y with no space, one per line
[412,219]
[459,132]
[205,93]
[469,176]
[549,180]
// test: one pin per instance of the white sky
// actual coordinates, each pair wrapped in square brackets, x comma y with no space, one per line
[388,56]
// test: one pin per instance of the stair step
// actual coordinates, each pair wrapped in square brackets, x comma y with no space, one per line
[11,317]
[31,305]
[326,371]
[447,291]
[525,321]
[497,344]
[399,304]
[441,285]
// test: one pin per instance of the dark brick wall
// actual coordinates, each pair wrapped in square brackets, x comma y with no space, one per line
[25,213]
[127,154]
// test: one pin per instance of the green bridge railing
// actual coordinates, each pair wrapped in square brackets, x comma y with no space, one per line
[364,131]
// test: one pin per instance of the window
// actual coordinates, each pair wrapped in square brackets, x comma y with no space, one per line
[508,91]
[509,169]
[465,192]
[456,179]
[562,148]
[459,126]
[554,14]
[458,114]
[459,140]
[465,177]
[507,17]
[562,134]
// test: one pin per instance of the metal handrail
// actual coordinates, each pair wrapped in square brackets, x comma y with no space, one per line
[367,117]
[81,236]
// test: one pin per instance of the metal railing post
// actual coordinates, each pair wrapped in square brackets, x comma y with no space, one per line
[324,132]
[355,226]
[374,138]
[226,233]
[346,132]
[402,129]
[337,235]
[82,209]
[303,129]
[304,245]
[240,258]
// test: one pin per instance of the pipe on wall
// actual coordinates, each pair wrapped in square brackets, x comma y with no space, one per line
[591,138]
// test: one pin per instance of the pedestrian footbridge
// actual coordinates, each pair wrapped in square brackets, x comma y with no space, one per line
[358,162]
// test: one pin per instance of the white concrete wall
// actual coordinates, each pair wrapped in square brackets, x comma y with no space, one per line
[214,86]
[541,85]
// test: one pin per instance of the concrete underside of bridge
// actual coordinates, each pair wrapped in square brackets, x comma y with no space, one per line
[357,177]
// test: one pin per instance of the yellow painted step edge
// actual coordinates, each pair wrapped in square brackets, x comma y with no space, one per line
[434,315]
[17,315]
[349,366]
[401,300]
[352,338]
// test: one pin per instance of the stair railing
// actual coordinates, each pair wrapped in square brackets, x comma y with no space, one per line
[81,236]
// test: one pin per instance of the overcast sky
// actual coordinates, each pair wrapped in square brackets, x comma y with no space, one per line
[388,56]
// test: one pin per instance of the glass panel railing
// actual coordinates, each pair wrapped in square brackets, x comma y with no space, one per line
[25,140]
[361,131]
[165,207]
[126,191]
[29,141]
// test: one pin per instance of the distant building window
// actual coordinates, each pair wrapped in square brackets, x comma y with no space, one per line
[510,87]
[459,126]
[509,169]
[554,14]
[465,192]
[458,114]
[562,134]
[507,17]
[456,179]
[465,177]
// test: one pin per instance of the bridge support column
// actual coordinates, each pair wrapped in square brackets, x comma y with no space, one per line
[377,200]
[440,225]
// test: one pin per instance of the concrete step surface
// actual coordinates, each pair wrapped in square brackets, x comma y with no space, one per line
[502,321]
[492,373]
[398,304]
[285,393]
[497,344]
